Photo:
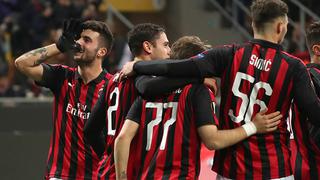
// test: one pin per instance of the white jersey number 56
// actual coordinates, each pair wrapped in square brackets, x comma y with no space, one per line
[247,103]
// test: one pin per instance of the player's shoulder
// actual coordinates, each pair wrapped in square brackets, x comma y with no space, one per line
[291,58]
[314,66]
[65,67]
[60,71]
[199,91]
[108,76]
[199,88]
[59,67]
[115,82]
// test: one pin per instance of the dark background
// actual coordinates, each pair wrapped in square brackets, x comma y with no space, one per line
[24,139]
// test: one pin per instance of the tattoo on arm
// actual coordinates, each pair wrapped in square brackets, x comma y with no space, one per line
[43,55]
[123,175]
[42,52]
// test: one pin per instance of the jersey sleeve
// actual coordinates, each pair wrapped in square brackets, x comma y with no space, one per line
[214,62]
[203,105]
[53,76]
[305,95]
[207,64]
[135,111]
[151,86]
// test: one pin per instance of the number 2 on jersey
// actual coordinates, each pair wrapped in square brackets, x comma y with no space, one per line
[247,103]
[111,109]
[159,110]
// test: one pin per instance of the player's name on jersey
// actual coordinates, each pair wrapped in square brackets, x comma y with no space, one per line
[261,64]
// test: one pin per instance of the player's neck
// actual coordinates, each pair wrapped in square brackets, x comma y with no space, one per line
[315,59]
[267,37]
[89,73]
[142,58]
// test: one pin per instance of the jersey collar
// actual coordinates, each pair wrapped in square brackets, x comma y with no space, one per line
[96,80]
[266,43]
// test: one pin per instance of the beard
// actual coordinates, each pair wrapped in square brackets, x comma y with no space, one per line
[86,58]
[83,63]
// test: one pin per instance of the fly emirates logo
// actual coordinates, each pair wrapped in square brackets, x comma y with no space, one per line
[78,111]
[261,64]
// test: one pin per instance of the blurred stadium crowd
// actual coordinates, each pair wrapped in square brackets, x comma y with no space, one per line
[29,24]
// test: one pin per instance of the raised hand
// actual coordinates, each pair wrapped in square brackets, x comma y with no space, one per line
[71,32]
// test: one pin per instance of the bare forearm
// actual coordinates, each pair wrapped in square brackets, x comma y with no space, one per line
[36,57]
[29,63]
[217,139]
[121,156]
[226,138]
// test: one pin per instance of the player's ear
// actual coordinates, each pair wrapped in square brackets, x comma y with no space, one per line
[147,46]
[102,52]
[316,49]
[279,27]
[282,25]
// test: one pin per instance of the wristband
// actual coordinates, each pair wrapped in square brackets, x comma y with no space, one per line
[250,128]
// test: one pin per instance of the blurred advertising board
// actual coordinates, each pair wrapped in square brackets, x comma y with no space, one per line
[137,5]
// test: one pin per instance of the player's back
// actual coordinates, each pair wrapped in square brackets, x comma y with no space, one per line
[305,150]
[119,97]
[167,144]
[260,75]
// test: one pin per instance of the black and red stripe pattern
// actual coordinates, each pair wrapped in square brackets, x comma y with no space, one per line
[305,155]
[255,75]
[119,98]
[170,125]
[70,157]
[260,75]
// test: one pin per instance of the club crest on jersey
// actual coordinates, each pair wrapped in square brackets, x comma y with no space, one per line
[261,64]
[100,90]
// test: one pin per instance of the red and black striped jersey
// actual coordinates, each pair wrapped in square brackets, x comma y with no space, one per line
[305,154]
[305,149]
[111,109]
[70,157]
[118,99]
[167,145]
[255,75]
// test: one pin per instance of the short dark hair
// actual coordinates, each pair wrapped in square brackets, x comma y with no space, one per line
[104,31]
[264,11]
[143,32]
[188,46]
[313,35]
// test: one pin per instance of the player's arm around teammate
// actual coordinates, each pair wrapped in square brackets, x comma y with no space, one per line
[215,139]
